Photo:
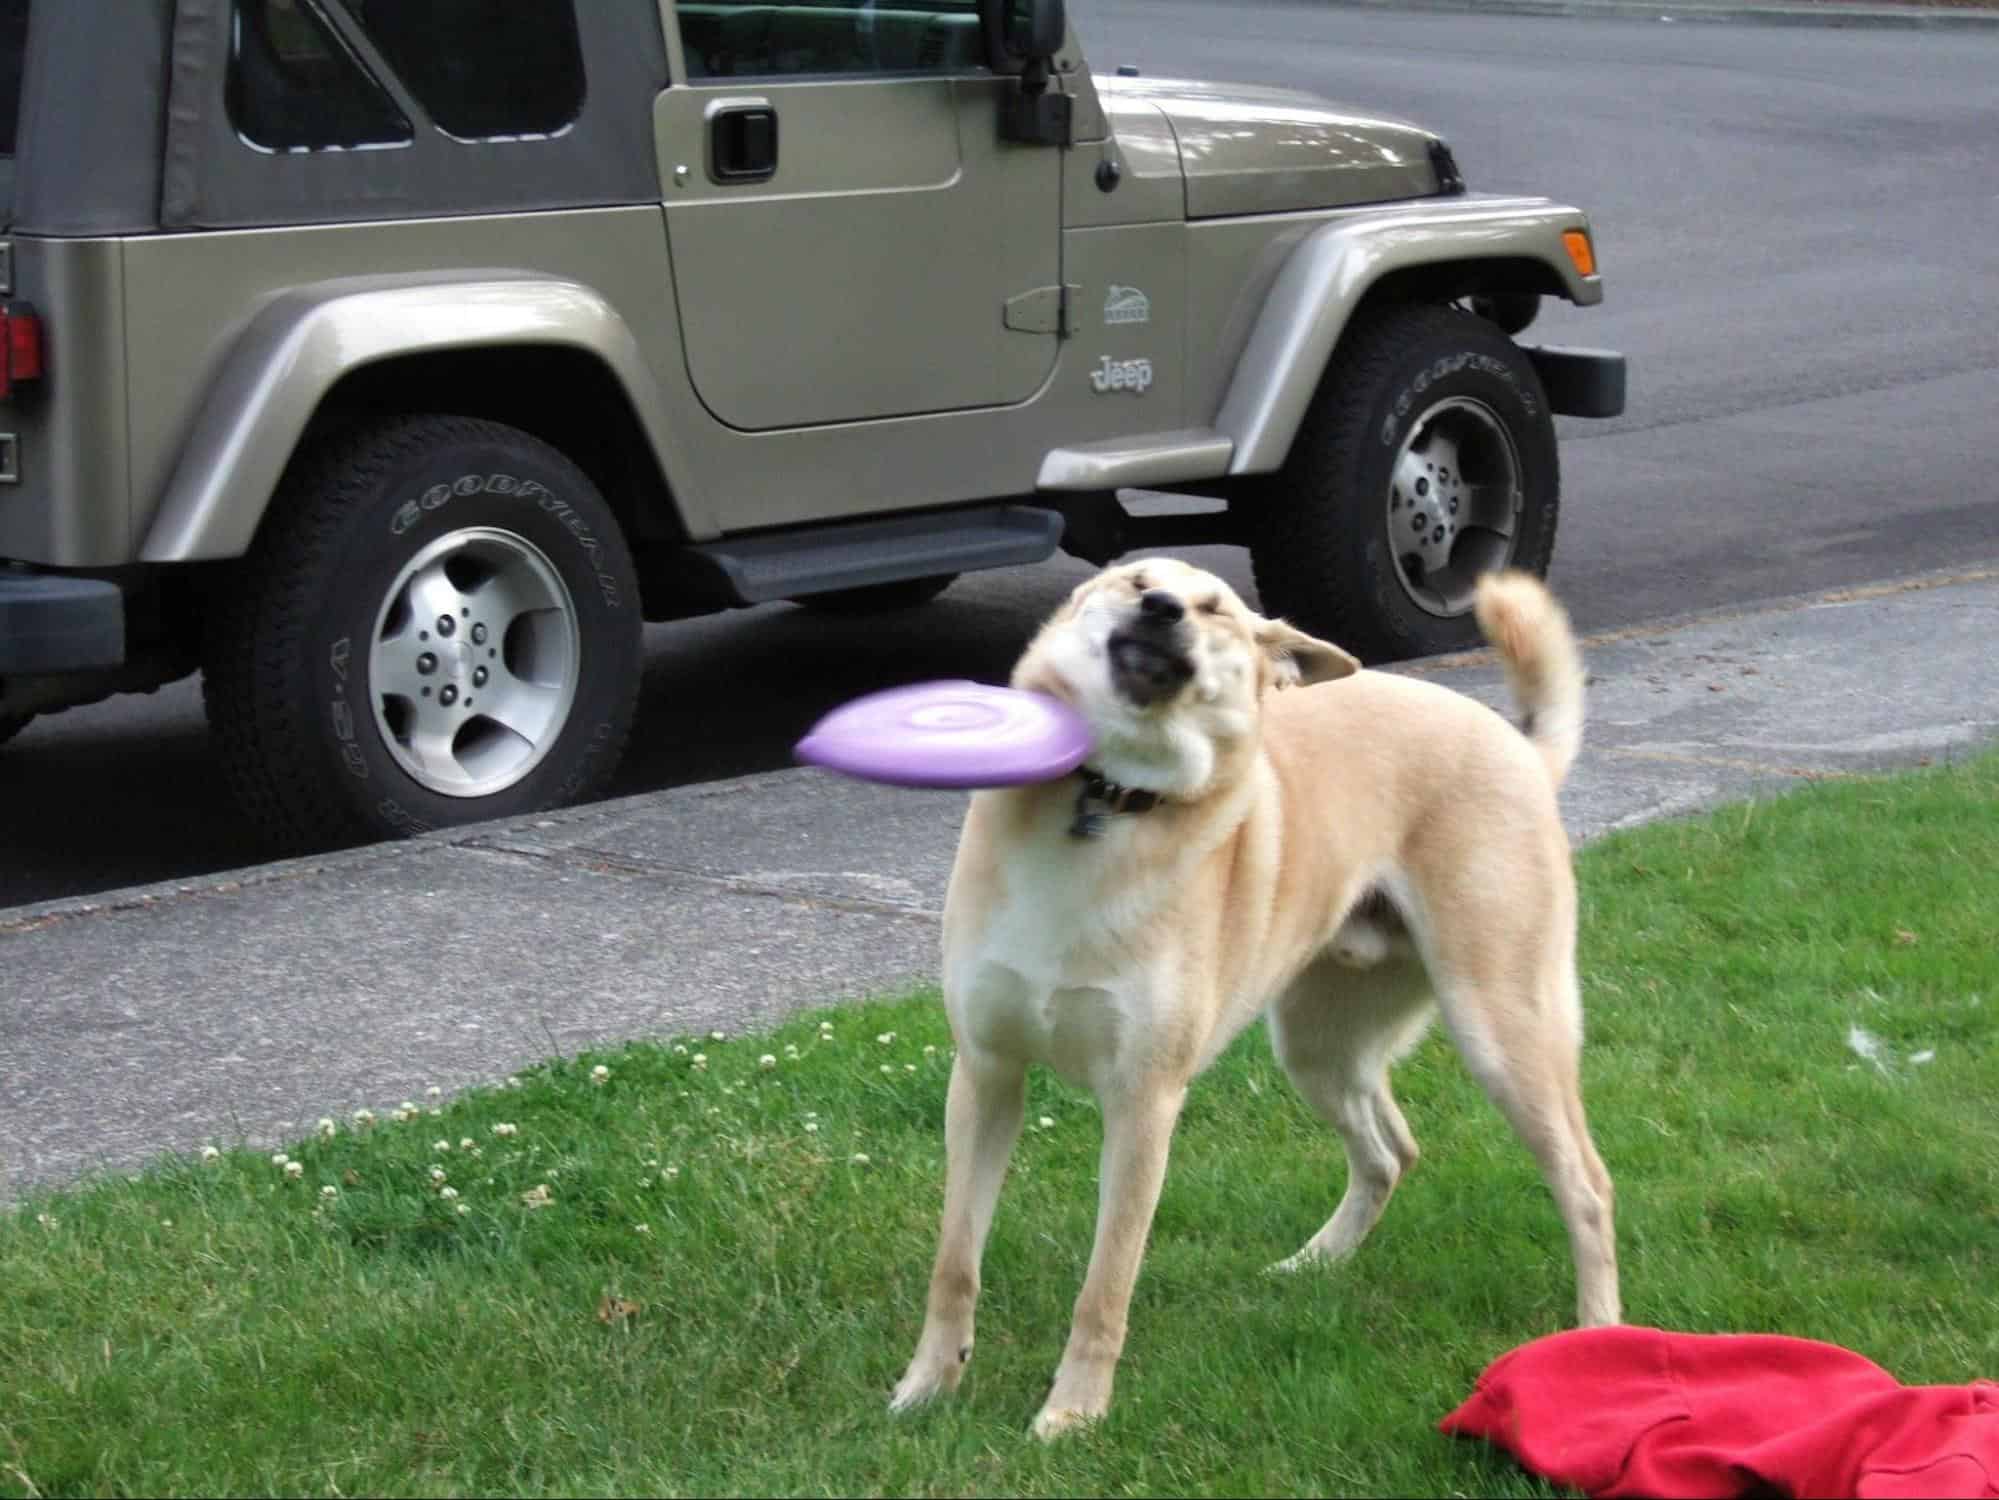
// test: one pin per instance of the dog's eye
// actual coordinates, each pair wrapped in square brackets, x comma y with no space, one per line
[1139,583]
[1210,606]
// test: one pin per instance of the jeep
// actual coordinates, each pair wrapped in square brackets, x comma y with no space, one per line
[389,362]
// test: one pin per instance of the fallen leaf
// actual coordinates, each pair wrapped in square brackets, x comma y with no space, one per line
[351,1177]
[616,1310]
[1904,938]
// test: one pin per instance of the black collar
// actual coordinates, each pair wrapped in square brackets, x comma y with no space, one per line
[1100,797]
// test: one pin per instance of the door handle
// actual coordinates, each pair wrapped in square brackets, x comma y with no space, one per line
[742,141]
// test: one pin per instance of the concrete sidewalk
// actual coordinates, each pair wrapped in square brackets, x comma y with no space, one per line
[242,1007]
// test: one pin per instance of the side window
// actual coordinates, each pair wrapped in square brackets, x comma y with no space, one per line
[837,37]
[483,69]
[294,85]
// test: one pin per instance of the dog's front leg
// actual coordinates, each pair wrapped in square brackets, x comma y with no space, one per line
[1138,1134]
[982,1116]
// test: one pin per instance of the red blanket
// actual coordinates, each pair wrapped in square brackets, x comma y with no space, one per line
[1636,1411]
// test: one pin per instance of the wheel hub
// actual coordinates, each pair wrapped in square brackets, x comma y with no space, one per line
[1454,497]
[475,662]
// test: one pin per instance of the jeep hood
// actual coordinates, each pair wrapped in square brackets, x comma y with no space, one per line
[1246,149]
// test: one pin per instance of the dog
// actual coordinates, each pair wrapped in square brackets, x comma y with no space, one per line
[1263,829]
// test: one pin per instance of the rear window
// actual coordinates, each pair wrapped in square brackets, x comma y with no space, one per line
[483,69]
[295,85]
[13,48]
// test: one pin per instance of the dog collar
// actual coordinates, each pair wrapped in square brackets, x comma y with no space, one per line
[1112,797]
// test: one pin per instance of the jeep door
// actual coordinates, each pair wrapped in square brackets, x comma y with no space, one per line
[846,227]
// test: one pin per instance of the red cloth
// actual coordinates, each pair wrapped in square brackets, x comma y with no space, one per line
[1637,1411]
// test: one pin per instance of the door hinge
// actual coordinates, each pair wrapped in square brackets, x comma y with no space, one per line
[1046,309]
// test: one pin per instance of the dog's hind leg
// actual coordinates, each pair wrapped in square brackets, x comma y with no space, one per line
[982,1117]
[1336,1032]
[1524,1050]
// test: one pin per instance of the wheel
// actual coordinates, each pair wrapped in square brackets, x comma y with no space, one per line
[439,623]
[879,598]
[13,724]
[1426,459]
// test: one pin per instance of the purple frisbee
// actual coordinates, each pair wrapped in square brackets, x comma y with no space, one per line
[950,734]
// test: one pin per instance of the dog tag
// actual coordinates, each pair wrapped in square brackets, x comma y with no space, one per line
[958,735]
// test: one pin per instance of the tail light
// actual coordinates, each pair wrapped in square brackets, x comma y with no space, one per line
[20,346]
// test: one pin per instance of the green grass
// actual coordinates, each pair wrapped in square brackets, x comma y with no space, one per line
[220,1328]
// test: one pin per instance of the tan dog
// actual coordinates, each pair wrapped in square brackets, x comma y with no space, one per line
[1344,859]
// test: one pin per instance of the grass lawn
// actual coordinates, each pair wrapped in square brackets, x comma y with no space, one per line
[684,1269]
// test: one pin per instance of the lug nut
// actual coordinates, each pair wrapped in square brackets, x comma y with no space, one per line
[446,625]
[478,635]
[478,677]
[447,695]
[1439,535]
[1420,522]
[426,663]
[1422,486]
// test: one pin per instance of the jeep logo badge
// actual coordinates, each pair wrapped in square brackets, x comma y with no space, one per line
[1133,376]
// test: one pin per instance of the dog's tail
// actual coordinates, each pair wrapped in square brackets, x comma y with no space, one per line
[1544,667]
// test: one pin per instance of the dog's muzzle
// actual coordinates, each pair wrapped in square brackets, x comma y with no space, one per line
[1149,662]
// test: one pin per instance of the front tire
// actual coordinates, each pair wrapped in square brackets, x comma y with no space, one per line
[1426,460]
[438,624]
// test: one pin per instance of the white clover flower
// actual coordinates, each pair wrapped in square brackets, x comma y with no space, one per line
[811,1127]
[909,1067]
[466,1143]
[825,1028]
[930,1051]
[767,1061]
[888,1068]
[1046,1123]
[433,1092]
[513,1082]
[643,1228]
[407,1110]
[599,1074]
[294,1170]
[278,1159]
[45,1221]
[364,1118]
[860,1159]
[437,1174]
[700,1059]
[440,1145]
[670,1173]
[327,1129]
[718,1036]
[166,1223]
[209,1153]
[791,1053]
[447,1193]
[504,1128]
[886,1037]
[465,1208]
[329,1191]
[680,1049]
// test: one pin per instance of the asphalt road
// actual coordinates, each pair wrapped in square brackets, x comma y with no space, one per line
[1799,229]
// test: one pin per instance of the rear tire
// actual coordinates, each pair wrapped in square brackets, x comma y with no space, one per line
[878,598]
[437,624]
[1426,459]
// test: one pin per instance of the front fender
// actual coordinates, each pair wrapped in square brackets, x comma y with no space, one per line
[297,348]
[1329,273]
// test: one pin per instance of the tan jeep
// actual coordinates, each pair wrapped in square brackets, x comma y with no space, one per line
[389,361]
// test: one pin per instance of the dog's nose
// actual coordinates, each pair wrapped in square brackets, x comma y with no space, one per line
[1159,605]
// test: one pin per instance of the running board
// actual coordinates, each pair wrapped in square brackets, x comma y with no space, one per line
[818,559]
[1149,461]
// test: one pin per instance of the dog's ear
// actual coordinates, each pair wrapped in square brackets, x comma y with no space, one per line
[1297,658]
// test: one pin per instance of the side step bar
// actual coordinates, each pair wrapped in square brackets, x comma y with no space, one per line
[816,560]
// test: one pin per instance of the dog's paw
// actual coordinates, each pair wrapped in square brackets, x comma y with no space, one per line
[925,1380]
[1054,1422]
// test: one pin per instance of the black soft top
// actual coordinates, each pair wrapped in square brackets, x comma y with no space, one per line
[124,127]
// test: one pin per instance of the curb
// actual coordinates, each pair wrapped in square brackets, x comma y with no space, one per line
[1848,17]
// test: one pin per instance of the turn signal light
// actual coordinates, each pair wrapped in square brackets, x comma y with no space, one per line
[1576,242]
[20,346]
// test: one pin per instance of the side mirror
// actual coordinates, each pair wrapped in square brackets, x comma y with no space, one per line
[1032,29]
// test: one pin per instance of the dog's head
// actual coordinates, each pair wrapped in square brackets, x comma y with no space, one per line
[1169,667]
